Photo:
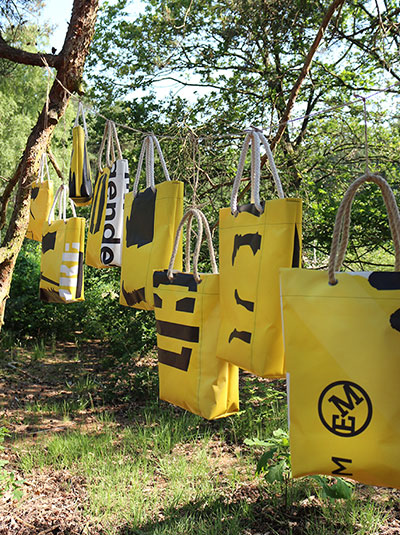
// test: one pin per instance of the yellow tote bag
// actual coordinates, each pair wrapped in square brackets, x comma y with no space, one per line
[41,201]
[255,241]
[104,241]
[61,267]
[151,219]
[187,318]
[80,185]
[342,340]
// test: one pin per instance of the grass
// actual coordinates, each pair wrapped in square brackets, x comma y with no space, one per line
[150,468]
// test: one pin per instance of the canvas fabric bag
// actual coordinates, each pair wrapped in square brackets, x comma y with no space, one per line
[80,185]
[342,340]
[151,219]
[255,241]
[61,267]
[187,318]
[104,240]
[42,197]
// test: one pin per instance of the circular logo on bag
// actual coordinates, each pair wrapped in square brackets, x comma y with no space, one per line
[345,408]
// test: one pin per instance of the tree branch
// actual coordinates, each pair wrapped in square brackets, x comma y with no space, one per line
[336,4]
[17,55]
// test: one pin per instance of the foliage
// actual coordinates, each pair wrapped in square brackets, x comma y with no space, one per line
[100,316]
[274,463]
[8,481]
[334,488]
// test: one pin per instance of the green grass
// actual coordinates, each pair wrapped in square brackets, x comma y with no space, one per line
[169,472]
[156,469]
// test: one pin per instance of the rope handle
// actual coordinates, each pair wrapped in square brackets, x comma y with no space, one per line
[110,136]
[202,223]
[341,230]
[61,197]
[43,167]
[254,138]
[147,153]
[209,242]
[81,111]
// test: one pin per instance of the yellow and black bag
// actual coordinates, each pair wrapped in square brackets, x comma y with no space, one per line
[41,200]
[342,341]
[187,318]
[151,218]
[104,241]
[255,241]
[80,185]
[61,267]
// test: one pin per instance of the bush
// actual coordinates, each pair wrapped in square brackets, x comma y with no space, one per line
[100,316]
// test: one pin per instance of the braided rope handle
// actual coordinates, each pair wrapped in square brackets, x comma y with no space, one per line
[110,136]
[43,165]
[147,153]
[61,197]
[80,111]
[209,242]
[254,138]
[341,230]
[102,145]
[202,224]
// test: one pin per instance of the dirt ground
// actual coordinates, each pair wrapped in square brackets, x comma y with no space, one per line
[53,501]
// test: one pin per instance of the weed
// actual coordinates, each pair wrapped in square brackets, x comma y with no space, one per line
[8,480]
[39,351]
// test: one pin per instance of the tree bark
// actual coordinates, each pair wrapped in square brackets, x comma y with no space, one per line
[69,69]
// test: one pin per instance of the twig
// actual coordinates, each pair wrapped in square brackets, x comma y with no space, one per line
[55,165]
[10,365]
[49,530]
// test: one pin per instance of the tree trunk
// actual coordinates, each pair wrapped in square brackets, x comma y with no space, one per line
[69,64]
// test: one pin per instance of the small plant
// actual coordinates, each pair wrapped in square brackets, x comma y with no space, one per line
[275,461]
[39,351]
[334,488]
[275,465]
[8,481]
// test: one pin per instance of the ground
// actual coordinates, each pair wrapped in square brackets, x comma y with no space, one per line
[94,452]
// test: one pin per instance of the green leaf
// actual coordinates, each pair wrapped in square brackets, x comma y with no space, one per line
[341,489]
[262,465]
[17,494]
[276,472]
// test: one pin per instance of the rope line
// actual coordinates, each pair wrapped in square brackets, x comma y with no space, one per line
[239,132]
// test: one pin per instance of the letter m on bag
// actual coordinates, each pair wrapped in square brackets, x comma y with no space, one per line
[344,406]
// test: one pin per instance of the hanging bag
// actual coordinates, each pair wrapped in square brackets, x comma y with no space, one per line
[342,340]
[151,219]
[104,241]
[61,267]
[80,185]
[187,319]
[255,241]
[41,200]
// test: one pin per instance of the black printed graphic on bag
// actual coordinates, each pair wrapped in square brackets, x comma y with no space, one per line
[345,408]
[110,251]
[177,331]
[66,281]
[98,202]
[341,467]
[80,185]
[240,241]
[34,194]
[140,223]
[390,280]
[252,241]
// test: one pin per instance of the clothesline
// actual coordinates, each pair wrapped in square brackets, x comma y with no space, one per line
[239,132]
